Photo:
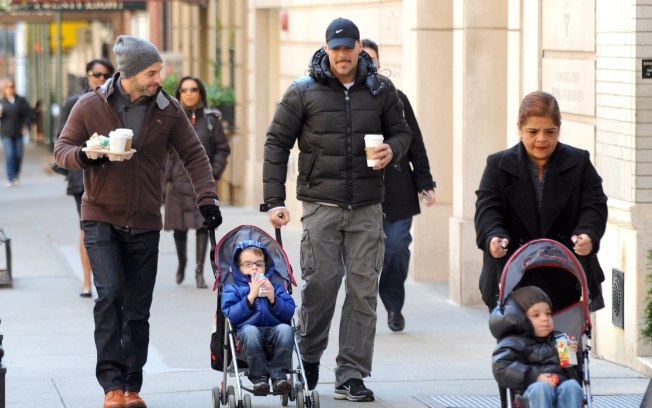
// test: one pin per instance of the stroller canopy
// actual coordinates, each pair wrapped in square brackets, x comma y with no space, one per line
[224,252]
[554,268]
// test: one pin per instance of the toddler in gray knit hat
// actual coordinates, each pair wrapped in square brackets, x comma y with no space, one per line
[134,54]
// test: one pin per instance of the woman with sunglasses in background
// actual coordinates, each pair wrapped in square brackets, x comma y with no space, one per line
[97,72]
[181,212]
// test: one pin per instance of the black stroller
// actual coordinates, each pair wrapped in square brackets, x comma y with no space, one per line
[225,347]
[552,267]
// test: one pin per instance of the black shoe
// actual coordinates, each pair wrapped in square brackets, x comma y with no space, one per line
[395,321]
[311,371]
[354,390]
[261,385]
[281,385]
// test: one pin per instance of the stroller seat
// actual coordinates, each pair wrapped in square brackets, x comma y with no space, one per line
[225,348]
[553,268]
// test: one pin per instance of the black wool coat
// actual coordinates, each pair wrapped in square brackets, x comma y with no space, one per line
[403,180]
[506,206]
[181,211]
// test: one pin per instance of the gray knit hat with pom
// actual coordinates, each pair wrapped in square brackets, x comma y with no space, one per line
[134,54]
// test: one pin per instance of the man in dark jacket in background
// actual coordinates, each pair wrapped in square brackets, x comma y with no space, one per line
[15,116]
[405,182]
[121,206]
[329,112]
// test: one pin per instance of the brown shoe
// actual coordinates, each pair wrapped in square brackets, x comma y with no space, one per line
[133,400]
[114,399]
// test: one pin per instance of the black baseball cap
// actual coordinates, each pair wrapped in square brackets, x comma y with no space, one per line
[342,32]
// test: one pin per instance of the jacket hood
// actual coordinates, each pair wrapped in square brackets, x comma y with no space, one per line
[107,88]
[366,72]
[509,319]
[240,277]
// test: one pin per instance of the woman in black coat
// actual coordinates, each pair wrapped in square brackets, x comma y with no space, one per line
[181,212]
[540,188]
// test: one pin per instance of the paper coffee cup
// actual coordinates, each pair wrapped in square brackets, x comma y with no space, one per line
[93,144]
[120,140]
[370,143]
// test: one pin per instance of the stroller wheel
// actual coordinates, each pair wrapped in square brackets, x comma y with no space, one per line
[300,400]
[230,391]
[217,401]
[284,400]
[247,401]
[232,401]
[314,399]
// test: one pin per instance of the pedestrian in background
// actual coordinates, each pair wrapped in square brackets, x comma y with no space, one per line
[181,212]
[121,206]
[98,71]
[16,117]
[405,183]
[328,113]
[540,188]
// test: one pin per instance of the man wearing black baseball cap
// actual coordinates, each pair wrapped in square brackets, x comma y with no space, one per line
[329,112]
[342,32]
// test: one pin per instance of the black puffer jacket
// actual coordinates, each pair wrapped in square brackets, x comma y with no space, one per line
[520,357]
[330,122]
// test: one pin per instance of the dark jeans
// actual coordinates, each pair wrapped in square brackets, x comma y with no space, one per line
[396,263]
[13,148]
[124,263]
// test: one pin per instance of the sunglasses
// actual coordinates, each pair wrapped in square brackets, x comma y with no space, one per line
[186,90]
[99,74]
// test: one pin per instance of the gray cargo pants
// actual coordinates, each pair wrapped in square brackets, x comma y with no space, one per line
[337,242]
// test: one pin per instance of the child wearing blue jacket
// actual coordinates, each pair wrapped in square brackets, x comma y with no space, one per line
[261,314]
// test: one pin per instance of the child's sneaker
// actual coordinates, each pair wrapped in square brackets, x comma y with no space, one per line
[354,390]
[261,385]
[281,385]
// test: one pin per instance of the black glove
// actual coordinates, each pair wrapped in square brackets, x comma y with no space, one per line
[212,215]
[92,162]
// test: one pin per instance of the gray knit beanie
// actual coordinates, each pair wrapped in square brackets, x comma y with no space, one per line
[134,54]
[528,296]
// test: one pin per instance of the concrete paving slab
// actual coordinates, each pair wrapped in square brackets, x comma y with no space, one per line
[48,329]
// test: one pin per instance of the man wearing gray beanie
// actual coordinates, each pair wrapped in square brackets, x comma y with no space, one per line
[121,211]
[134,54]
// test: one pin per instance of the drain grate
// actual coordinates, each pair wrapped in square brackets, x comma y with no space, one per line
[493,401]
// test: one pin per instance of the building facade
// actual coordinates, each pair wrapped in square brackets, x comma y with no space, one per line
[465,66]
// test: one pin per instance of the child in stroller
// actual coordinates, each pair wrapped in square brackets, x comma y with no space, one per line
[526,358]
[553,268]
[226,351]
[261,313]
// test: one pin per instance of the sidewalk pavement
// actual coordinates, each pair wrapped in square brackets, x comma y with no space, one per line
[442,359]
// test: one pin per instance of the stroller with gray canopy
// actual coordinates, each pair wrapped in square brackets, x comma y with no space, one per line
[225,347]
[553,268]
